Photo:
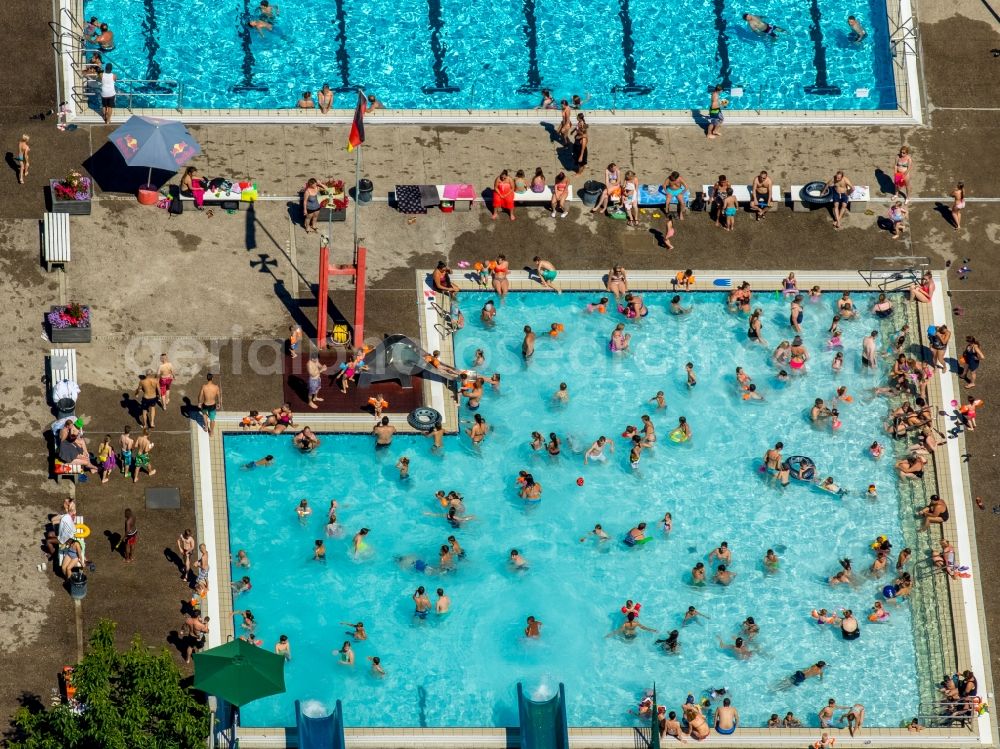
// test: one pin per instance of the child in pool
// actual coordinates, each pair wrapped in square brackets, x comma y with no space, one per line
[814,294]
[838,361]
[876,450]
[600,306]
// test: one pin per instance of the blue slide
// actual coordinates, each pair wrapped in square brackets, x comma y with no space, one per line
[543,724]
[326,732]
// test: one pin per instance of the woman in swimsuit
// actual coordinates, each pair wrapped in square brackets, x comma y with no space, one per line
[501,284]
[901,177]
[192,184]
[630,198]
[619,338]
[580,143]
[560,191]
[753,332]
[923,291]
[883,307]
[310,205]
[634,307]
[796,315]
[612,191]
[547,101]
[958,196]
[538,181]
[21,157]
[973,355]
[617,282]
[520,183]
[675,187]
[503,195]
[719,197]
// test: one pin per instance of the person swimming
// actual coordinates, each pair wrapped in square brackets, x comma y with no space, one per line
[759,26]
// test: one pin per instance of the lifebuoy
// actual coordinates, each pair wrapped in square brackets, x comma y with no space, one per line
[423,419]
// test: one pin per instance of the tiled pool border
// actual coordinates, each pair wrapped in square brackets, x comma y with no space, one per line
[968,626]
[906,78]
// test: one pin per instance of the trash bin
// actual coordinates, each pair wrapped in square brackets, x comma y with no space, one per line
[65,407]
[591,193]
[78,584]
[365,190]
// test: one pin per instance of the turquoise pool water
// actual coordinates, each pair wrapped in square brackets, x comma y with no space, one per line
[462,670]
[447,54]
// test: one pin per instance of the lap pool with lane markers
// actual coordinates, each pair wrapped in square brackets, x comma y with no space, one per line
[448,54]
[461,670]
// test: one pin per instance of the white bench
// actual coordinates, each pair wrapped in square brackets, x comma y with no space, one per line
[457,193]
[220,197]
[860,194]
[743,194]
[55,240]
[62,366]
[545,196]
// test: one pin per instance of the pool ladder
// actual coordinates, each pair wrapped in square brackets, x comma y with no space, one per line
[893,273]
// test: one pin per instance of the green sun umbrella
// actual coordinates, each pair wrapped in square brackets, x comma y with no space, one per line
[239,672]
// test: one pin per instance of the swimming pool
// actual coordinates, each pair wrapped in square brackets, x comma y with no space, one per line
[446,54]
[461,670]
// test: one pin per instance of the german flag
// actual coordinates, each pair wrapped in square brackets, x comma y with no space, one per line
[357,136]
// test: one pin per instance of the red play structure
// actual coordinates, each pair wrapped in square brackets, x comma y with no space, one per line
[357,271]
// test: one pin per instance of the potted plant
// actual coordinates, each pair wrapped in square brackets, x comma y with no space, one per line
[333,200]
[69,324]
[72,194]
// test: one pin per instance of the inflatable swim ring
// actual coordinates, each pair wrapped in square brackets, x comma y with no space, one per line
[423,419]
[808,468]
[82,530]
[678,435]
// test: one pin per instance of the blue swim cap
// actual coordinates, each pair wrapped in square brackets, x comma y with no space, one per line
[420,565]
[931,330]
[889,591]
[689,700]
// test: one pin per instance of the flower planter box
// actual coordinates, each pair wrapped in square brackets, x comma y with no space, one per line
[73,207]
[81,334]
[332,214]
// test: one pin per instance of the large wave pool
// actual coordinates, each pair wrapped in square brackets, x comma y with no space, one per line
[461,670]
[448,54]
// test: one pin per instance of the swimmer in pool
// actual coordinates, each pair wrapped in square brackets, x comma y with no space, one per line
[671,643]
[636,452]
[667,523]
[597,533]
[759,26]
[630,627]
[443,604]
[739,648]
[265,461]
[775,464]
[421,603]
[723,576]
[692,614]
[518,562]
[346,654]
[319,552]
[750,628]
[857,34]
[530,490]
[648,432]
[800,676]
[532,628]
[456,547]
[596,450]
[676,308]
[722,554]
[660,399]
[638,533]
[528,344]
[771,562]
[303,510]
[562,394]
[698,574]
[691,379]
[358,542]
[357,630]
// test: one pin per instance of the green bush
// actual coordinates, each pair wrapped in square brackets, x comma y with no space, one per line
[131,700]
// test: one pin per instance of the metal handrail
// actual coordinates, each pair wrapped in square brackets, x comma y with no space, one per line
[72,18]
[175,86]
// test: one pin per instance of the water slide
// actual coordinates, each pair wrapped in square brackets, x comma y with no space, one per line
[320,732]
[399,358]
[543,724]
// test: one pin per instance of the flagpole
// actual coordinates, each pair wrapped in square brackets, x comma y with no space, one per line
[357,186]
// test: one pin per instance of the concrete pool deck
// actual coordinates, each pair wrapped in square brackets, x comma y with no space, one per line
[190,282]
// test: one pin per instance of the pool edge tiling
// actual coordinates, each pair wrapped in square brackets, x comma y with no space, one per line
[902,59]
[967,626]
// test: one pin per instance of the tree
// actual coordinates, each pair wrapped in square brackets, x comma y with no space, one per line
[131,699]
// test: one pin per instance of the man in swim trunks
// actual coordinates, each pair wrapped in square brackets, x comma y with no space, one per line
[761,195]
[546,273]
[857,34]
[421,602]
[869,357]
[437,434]
[148,393]
[315,370]
[826,713]
[164,377]
[596,450]
[911,467]
[819,411]
[692,613]
[842,188]
[855,718]
[715,116]
[185,548]
[727,718]
[209,400]
[533,628]
[759,26]
[383,432]
[774,463]
[723,576]
[722,554]
[528,344]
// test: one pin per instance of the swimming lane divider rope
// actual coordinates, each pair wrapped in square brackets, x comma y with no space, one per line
[822,87]
[722,45]
[246,42]
[534,82]
[436,21]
